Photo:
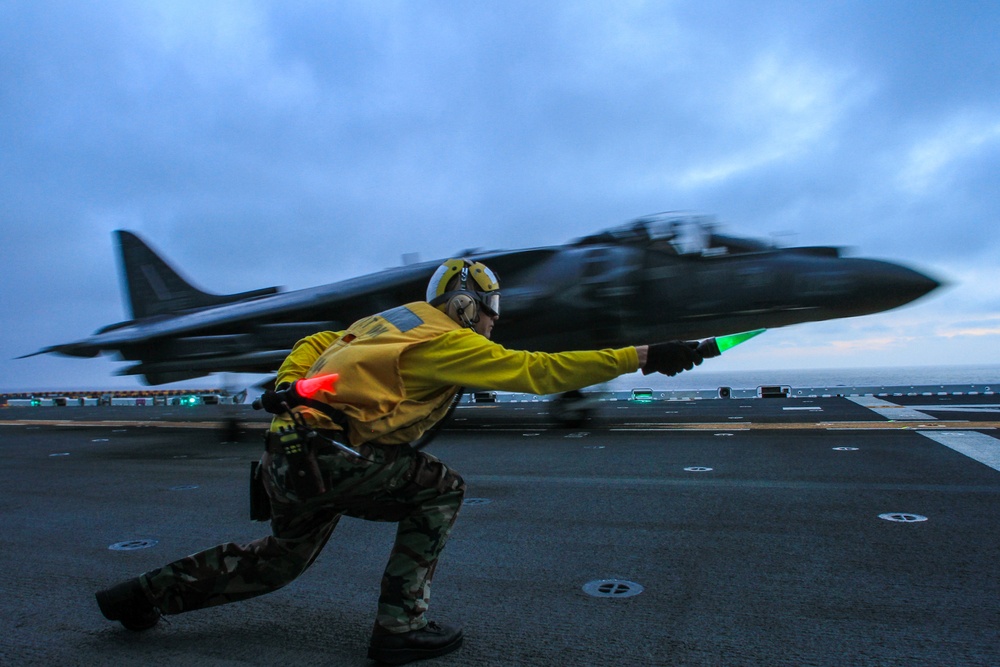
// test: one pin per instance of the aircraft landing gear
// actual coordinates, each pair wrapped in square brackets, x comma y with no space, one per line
[573,408]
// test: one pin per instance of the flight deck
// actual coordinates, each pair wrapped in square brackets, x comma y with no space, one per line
[812,530]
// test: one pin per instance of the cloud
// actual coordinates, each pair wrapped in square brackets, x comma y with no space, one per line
[259,142]
[933,157]
[975,331]
[782,107]
[842,347]
[983,326]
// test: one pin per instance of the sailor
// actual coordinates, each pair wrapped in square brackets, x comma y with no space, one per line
[400,372]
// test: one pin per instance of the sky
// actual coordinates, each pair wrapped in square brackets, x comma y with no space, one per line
[297,143]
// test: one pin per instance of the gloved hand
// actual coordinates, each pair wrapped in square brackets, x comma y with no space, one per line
[273,400]
[672,357]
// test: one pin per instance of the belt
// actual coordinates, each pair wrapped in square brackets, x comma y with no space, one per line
[327,439]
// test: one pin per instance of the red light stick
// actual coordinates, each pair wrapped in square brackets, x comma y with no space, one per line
[279,401]
[308,387]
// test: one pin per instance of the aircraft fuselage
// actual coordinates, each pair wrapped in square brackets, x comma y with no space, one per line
[659,278]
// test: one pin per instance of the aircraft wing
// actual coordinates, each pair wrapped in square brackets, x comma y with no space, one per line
[179,331]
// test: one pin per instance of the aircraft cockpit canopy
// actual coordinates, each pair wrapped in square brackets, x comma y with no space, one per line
[686,234]
[677,233]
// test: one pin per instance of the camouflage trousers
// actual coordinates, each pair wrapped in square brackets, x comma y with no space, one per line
[396,484]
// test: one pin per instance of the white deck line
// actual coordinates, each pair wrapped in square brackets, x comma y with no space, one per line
[979,446]
[890,410]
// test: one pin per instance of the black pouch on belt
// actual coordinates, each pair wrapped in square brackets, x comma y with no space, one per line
[260,504]
[297,445]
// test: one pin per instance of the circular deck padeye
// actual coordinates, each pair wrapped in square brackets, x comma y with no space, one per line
[133,545]
[902,517]
[612,588]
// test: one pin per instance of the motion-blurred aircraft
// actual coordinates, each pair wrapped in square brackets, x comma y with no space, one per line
[666,276]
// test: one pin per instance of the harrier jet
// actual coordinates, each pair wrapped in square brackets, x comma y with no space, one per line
[661,277]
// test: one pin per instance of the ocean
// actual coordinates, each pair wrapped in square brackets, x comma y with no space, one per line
[701,378]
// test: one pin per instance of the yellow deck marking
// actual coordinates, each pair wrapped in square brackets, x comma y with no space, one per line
[633,426]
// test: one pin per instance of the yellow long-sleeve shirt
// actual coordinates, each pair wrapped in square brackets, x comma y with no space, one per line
[402,386]
[464,358]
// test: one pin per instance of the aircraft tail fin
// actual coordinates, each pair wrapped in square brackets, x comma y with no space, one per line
[153,287]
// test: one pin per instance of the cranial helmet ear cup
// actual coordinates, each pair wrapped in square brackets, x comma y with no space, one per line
[463,309]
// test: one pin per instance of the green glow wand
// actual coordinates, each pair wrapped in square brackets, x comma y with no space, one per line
[713,347]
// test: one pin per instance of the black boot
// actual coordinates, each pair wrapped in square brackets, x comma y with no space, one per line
[429,642]
[128,604]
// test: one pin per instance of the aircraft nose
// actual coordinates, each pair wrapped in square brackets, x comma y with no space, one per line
[898,285]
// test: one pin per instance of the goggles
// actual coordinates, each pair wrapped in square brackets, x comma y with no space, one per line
[490,303]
